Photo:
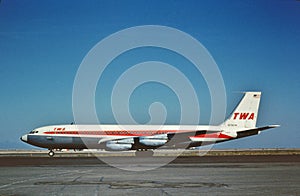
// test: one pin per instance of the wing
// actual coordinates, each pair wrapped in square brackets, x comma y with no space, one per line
[168,140]
[178,136]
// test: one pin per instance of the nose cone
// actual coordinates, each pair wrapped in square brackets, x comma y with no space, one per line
[24,138]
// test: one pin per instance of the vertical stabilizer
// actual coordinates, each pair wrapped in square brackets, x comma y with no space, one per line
[245,114]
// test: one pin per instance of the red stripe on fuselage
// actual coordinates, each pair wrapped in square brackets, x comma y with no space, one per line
[115,133]
[212,135]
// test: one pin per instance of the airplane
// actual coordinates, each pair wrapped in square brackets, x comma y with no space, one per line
[241,123]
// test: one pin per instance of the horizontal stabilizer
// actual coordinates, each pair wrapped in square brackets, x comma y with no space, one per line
[255,131]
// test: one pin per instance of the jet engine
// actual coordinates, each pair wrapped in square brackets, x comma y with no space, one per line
[155,140]
[120,145]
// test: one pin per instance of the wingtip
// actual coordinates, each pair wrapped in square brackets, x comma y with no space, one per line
[274,126]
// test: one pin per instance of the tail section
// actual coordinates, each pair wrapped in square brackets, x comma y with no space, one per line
[245,114]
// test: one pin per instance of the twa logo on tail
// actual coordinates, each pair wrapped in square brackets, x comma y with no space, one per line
[243,116]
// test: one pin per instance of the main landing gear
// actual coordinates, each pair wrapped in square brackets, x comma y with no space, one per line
[144,153]
[51,153]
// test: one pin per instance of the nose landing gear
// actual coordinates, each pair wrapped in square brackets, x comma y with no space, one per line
[51,153]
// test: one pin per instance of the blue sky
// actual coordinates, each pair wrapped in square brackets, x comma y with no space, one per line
[256,45]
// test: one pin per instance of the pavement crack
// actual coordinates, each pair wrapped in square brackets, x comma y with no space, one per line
[101,179]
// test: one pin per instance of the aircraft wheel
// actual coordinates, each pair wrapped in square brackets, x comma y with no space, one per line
[51,153]
[146,153]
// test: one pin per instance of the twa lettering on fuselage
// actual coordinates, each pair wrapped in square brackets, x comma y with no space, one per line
[243,116]
[59,129]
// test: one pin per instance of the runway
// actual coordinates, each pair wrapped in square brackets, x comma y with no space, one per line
[173,179]
[207,175]
[15,161]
